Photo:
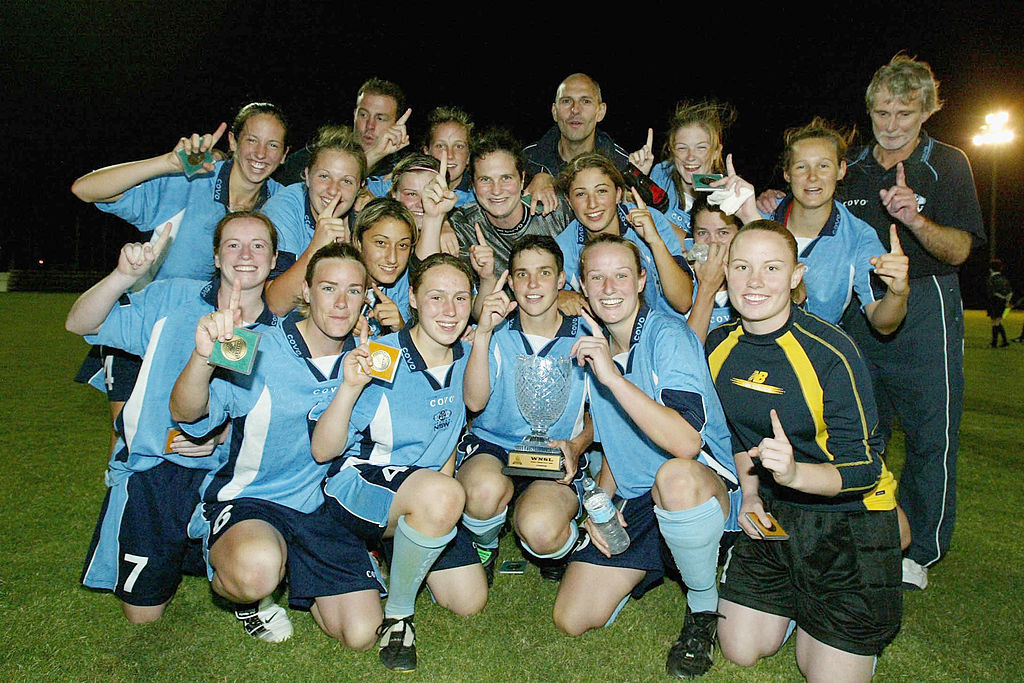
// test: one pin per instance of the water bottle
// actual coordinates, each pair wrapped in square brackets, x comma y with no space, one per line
[603,514]
[698,253]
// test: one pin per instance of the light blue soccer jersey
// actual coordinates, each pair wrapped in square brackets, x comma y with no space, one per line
[838,263]
[272,413]
[416,420]
[159,324]
[192,206]
[289,211]
[574,238]
[501,421]
[666,361]
[678,210]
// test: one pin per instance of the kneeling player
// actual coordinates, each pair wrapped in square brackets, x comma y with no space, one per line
[141,547]
[397,440]
[804,427]
[545,510]
[263,509]
[667,457]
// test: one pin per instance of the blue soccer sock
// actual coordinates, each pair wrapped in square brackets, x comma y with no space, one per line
[413,556]
[574,535]
[485,531]
[693,536]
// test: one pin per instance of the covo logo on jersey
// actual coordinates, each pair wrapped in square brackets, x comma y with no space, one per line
[855,202]
[442,420]
[444,400]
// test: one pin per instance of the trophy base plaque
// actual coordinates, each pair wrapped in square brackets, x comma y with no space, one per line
[535,462]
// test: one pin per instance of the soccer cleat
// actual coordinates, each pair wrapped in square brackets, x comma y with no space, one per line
[267,622]
[692,654]
[915,577]
[398,644]
[489,559]
[553,570]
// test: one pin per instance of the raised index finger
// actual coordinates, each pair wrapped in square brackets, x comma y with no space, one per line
[236,295]
[161,242]
[405,117]
[901,175]
[777,429]
[638,199]
[650,139]
[481,239]
[595,329]
[332,206]
[381,296]
[500,284]
[894,240]
[442,175]
[216,134]
[729,168]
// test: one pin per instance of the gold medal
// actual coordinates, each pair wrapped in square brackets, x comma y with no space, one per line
[234,349]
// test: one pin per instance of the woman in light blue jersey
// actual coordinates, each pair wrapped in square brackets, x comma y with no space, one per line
[156,196]
[262,512]
[141,547]
[693,144]
[396,431]
[596,192]
[315,212]
[385,234]
[667,457]
[842,253]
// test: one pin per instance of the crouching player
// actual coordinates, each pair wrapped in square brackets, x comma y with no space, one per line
[262,511]
[545,510]
[397,441]
[667,457]
[804,427]
[141,547]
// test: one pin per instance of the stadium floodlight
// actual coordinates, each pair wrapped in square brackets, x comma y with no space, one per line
[993,134]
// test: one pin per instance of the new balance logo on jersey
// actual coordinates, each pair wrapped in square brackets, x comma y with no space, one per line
[756,381]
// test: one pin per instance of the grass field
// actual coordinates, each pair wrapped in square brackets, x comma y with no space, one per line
[968,625]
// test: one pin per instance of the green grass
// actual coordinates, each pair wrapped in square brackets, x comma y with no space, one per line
[967,626]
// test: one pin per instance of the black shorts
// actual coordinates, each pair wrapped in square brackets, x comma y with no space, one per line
[645,549]
[363,506]
[324,558]
[118,369]
[140,548]
[995,309]
[839,575]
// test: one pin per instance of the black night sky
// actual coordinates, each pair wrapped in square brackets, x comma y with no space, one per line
[88,84]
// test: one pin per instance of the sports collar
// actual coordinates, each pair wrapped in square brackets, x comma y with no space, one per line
[221,187]
[298,346]
[413,360]
[569,328]
[783,210]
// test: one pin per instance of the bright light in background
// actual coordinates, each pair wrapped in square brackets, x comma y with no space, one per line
[994,131]
[40,261]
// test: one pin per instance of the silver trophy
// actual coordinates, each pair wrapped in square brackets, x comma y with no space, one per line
[542,390]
